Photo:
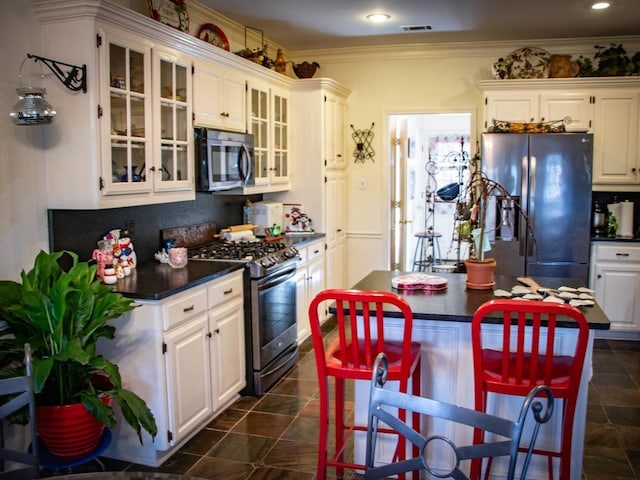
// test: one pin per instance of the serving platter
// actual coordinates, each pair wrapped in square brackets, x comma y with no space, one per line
[212,34]
[170,12]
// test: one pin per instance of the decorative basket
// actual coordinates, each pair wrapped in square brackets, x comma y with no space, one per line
[305,69]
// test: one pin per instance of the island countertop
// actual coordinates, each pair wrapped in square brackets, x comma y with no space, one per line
[458,304]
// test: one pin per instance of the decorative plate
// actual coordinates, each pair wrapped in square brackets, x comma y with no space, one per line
[213,35]
[170,12]
[528,62]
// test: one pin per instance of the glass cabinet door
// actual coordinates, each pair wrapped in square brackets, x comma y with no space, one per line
[280,170]
[173,168]
[259,127]
[126,108]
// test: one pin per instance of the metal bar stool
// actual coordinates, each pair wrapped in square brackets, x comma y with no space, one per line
[421,258]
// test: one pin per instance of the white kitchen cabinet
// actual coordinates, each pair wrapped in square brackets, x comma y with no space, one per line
[309,282]
[226,331]
[220,97]
[173,128]
[608,107]
[615,159]
[334,112]
[318,184]
[615,276]
[128,140]
[269,123]
[185,356]
[188,376]
[336,231]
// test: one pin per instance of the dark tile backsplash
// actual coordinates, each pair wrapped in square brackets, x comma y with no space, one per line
[605,198]
[79,230]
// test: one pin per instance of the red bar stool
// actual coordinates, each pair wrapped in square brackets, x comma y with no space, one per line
[345,359]
[527,359]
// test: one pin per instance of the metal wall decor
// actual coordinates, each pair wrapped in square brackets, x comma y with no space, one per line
[75,79]
[364,150]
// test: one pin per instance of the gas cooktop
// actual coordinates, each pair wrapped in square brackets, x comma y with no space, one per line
[262,257]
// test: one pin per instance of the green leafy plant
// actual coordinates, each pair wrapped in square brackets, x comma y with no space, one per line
[62,314]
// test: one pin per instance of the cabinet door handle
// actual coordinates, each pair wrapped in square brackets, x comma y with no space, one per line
[224,114]
[599,276]
[227,292]
[188,309]
[633,170]
[216,331]
[209,335]
[316,251]
[622,254]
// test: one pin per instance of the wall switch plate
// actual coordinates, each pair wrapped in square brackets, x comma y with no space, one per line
[362,183]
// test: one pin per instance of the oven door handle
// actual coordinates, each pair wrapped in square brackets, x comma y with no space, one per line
[281,364]
[281,277]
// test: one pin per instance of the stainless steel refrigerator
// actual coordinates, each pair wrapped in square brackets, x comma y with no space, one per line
[549,176]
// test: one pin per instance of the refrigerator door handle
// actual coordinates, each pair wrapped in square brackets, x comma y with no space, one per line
[522,231]
[531,209]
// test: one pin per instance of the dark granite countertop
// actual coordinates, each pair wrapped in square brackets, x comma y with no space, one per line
[616,239]
[458,304]
[300,239]
[155,281]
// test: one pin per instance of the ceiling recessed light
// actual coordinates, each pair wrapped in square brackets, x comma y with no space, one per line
[378,17]
[600,5]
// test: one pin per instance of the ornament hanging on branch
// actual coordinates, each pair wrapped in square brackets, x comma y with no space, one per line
[364,150]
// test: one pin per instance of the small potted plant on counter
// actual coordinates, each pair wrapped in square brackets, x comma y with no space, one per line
[476,220]
[62,314]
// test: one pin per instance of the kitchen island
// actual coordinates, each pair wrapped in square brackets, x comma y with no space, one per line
[442,325]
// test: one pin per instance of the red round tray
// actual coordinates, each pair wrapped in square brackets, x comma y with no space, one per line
[419,281]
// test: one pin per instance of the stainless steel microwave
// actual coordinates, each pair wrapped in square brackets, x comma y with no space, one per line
[224,160]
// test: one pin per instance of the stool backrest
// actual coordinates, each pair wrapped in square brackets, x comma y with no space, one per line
[527,353]
[506,441]
[372,307]
[16,393]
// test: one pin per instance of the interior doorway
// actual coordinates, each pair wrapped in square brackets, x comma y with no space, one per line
[429,151]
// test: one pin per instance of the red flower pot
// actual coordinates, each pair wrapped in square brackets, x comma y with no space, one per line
[69,431]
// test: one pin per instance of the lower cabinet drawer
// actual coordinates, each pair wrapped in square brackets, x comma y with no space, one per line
[226,289]
[618,253]
[184,307]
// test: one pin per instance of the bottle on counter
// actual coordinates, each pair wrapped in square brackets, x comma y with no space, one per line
[247,213]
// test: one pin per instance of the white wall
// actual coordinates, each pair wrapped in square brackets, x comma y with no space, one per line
[23,223]
[379,88]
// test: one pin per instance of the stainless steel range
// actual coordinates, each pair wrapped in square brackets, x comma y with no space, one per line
[270,305]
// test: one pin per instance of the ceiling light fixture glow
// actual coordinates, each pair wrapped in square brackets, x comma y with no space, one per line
[378,17]
[600,5]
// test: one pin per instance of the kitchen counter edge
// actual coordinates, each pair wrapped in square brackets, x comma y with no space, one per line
[155,281]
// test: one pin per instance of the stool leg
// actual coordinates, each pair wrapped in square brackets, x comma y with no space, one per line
[415,416]
[324,427]
[437,260]
[339,407]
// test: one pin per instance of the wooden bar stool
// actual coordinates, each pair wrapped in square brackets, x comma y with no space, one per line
[421,258]
[524,359]
[360,316]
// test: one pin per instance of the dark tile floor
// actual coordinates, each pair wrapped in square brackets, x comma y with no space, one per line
[274,437]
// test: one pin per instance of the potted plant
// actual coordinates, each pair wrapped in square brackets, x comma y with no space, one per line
[62,314]
[475,206]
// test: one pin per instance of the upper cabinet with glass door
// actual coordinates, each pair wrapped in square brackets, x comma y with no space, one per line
[280,127]
[127,111]
[268,122]
[172,169]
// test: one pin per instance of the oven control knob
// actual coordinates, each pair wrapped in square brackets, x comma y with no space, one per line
[289,253]
[267,262]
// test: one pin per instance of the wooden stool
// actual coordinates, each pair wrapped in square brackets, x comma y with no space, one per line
[421,260]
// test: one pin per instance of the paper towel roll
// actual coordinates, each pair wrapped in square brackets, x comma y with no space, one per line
[241,235]
[625,222]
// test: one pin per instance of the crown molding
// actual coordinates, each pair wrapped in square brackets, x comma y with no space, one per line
[571,46]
